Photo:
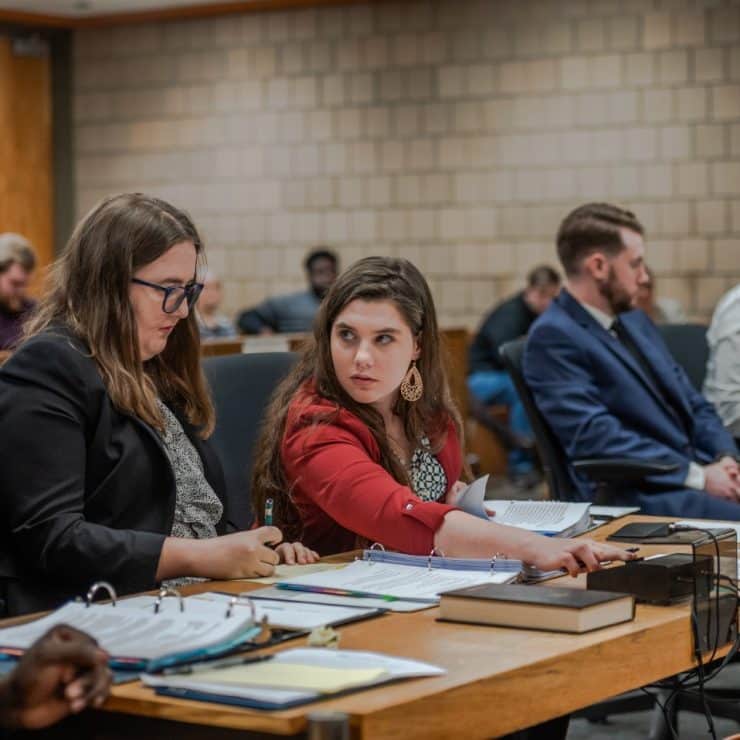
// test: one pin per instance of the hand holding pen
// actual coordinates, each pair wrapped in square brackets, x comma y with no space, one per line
[290,553]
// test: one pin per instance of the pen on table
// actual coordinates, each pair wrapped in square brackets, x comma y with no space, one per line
[208,665]
[268,512]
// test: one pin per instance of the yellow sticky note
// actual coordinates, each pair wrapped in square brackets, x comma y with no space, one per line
[278,675]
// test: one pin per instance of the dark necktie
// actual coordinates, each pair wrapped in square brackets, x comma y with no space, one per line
[629,344]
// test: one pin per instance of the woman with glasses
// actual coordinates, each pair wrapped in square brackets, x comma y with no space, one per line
[107,472]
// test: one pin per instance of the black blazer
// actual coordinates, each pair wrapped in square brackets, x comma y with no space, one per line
[87,493]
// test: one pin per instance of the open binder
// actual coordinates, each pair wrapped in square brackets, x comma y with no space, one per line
[393,576]
[144,640]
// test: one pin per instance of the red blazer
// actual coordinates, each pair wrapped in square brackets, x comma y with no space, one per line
[343,493]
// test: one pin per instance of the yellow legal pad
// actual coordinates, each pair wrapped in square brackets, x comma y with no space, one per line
[277,675]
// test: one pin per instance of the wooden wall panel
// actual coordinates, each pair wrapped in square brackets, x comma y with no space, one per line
[26,203]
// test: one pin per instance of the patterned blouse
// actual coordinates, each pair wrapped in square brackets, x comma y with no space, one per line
[197,507]
[428,479]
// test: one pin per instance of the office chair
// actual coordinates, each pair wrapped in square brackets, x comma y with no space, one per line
[241,386]
[552,456]
[688,345]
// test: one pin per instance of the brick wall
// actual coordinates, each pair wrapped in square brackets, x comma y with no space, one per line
[456,133]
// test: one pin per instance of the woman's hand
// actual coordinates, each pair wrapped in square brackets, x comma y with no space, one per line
[575,556]
[453,495]
[292,553]
[239,555]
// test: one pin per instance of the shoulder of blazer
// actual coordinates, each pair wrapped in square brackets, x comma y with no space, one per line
[58,361]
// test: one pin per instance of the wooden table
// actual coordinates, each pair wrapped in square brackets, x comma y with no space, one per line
[498,680]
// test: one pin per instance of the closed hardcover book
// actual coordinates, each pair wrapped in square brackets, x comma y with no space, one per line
[537,607]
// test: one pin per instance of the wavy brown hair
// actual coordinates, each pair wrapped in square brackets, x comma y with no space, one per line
[88,293]
[369,279]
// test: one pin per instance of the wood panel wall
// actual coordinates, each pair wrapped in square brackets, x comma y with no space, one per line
[26,195]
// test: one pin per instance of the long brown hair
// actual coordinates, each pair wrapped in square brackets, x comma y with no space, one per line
[88,292]
[369,279]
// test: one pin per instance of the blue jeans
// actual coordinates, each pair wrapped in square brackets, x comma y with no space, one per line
[496,386]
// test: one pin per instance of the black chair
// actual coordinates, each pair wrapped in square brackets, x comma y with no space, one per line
[552,456]
[688,345]
[241,386]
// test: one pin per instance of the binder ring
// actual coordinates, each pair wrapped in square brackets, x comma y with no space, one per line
[432,553]
[97,586]
[168,591]
[496,556]
[242,598]
[375,547]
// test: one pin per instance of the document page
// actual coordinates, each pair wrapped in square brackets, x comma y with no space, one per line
[129,633]
[399,581]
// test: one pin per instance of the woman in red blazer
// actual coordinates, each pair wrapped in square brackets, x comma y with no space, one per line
[362,442]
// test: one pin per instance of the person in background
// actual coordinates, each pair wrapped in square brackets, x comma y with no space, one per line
[211,323]
[722,383]
[62,673]
[106,416]
[294,312]
[661,310]
[608,387]
[17,263]
[488,381]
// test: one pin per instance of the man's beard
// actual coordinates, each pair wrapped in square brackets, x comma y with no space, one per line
[617,298]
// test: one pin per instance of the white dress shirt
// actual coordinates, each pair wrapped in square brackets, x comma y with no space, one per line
[722,382]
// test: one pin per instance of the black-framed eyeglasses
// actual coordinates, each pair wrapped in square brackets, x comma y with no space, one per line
[174,295]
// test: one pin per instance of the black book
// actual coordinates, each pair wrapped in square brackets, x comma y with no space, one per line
[537,607]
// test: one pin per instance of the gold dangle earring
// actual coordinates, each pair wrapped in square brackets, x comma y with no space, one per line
[412,386]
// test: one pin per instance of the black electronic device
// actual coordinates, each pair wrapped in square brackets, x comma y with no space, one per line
[665,579]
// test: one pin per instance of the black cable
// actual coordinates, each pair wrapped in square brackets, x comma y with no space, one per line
[697,678]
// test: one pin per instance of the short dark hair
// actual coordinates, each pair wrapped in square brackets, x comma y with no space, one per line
[319,253]
[593,227]
[543,276]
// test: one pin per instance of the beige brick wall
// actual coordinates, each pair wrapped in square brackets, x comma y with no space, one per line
[456,133]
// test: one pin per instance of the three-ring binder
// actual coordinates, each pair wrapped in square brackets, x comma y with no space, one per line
[498,563]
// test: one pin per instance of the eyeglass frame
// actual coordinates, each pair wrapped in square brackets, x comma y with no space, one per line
[168,290]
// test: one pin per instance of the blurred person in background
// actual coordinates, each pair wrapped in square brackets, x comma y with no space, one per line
[488,381]
[211,322]
[722,383]
[660,309]
[294,312]
[17,263]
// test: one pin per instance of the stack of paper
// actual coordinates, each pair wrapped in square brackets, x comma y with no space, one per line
[553,518]
[139,639]
[409,578]
[291,677]
[279,612]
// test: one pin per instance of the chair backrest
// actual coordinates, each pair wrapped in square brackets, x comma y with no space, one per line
[241,386]
[688,345]
[552,456]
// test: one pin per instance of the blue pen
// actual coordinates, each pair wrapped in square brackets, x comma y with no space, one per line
[268,512]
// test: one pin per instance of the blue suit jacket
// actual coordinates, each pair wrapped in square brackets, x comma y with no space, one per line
[600,402]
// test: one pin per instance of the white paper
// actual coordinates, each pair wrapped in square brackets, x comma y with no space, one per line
[471,499]
[546,517]
[707,524]
[280,613]
[404,582]
[394,667]
[129,633]
[304,597]
[612,512]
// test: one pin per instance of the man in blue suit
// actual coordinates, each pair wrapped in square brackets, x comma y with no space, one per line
[607,385]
